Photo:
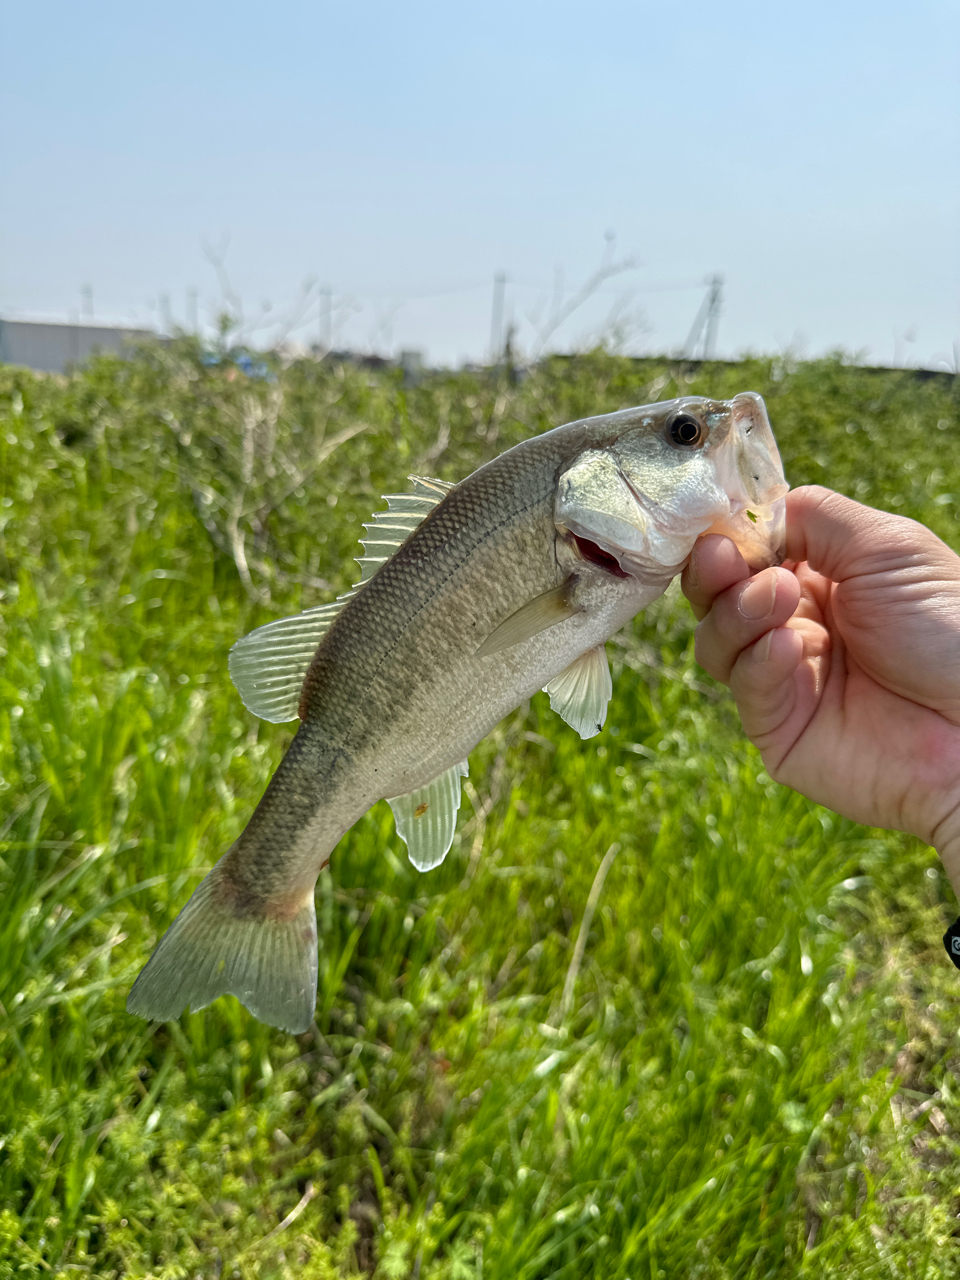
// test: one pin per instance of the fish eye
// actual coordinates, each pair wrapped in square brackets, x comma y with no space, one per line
[685,431]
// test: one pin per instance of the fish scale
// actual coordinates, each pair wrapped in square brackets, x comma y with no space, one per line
[511,582]
[380,625]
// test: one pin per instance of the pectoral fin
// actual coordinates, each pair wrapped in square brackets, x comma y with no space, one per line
[581,693]
[535,616]
[426,819]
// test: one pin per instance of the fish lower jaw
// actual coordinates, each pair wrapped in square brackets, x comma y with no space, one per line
[649,570]
[758,530]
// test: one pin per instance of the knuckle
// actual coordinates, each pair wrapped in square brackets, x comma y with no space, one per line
[709,653]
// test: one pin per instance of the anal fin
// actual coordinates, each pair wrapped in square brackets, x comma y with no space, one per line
[582,692]
[426,819]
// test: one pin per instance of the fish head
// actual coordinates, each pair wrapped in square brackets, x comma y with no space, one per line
[660,476]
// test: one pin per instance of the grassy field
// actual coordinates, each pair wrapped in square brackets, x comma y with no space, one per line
[744,1067]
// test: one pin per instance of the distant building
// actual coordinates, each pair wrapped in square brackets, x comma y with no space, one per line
[358,358]
[411,362]
[53,348]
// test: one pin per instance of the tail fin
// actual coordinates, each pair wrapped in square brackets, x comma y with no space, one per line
[212,949]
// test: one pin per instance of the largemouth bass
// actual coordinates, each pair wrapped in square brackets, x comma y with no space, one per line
[472,597]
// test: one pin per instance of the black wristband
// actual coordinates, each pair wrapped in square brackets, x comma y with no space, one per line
[951,941]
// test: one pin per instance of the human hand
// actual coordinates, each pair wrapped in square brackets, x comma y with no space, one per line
[845,662]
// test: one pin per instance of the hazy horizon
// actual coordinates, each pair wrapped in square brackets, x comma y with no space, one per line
[402,160]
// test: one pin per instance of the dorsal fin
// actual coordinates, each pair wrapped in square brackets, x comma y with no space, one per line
[268,666]
[389,530]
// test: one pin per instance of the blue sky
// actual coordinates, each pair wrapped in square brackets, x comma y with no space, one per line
[402,155]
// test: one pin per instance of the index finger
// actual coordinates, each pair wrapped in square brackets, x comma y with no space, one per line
[715,565]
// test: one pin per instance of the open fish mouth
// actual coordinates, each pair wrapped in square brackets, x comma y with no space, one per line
[595,553]
[617,560]
[759,533]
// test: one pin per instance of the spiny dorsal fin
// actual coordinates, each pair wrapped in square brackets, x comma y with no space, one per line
[268,666]
[581,692]
[389,530]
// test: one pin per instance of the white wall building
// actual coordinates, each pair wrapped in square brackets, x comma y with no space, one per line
[54,348]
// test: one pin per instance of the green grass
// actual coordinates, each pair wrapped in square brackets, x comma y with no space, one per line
[754,1070]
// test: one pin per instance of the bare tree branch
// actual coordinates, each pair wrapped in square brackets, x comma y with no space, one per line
[561,310]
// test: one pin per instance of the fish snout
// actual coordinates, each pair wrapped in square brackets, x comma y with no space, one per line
[758,459]
[752,475]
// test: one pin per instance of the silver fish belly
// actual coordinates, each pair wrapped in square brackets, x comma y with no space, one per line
[473,596]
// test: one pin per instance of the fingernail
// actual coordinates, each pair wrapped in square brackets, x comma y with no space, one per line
[761,650]
[758,597]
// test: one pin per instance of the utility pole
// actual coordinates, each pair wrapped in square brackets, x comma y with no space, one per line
[714,303]
[326,319]
[166,318]
[706,322]
[496,318]
[192,317]
[86,303]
